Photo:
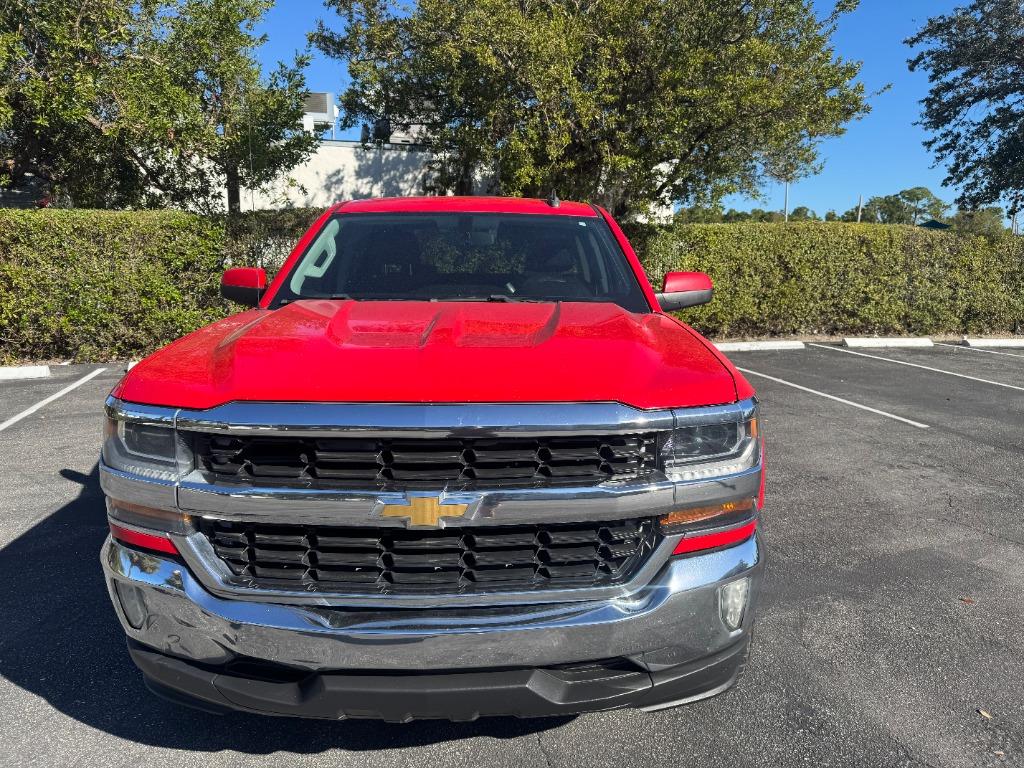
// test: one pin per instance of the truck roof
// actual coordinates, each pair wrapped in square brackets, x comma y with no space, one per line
[440,204]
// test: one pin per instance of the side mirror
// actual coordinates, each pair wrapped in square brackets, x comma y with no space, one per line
[685,289]
[244,285]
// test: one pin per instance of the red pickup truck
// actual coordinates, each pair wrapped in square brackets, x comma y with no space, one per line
[455,461]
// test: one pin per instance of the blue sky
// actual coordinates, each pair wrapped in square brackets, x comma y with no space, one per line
[878,155]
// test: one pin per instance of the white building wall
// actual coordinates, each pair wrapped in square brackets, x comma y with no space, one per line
[345,170]
[349,170]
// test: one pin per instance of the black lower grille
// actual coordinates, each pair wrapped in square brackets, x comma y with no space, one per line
[397,561]
[386,463]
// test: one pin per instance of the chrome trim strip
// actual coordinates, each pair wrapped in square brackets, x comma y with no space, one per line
[436,419]
[608,501]
[146,414]
[148,492]
[740,411]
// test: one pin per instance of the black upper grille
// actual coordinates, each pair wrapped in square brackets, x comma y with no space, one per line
[358,462]
[405,561]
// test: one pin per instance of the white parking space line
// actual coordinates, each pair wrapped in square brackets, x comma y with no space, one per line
[977,349]
[918,365]
[888,415]
[46,401]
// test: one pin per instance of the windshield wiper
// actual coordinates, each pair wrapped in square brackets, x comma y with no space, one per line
[495,297]
[327,296]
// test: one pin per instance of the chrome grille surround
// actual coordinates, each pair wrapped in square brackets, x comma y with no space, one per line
[603,502]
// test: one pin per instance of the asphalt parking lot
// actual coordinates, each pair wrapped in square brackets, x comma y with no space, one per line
[889,632]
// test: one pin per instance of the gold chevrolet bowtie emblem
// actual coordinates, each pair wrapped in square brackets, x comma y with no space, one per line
[424,510]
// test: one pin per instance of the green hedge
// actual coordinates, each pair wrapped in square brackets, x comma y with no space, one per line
[265,238]
[836,278]
[98,285]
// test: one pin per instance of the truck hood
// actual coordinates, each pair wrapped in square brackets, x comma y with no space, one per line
[426,352]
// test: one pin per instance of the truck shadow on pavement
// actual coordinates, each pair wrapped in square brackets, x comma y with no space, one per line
[62,642]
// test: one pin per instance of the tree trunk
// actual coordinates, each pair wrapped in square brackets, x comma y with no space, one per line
[464,184]
[234,188]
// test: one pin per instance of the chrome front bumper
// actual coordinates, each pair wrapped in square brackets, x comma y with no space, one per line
[672,620]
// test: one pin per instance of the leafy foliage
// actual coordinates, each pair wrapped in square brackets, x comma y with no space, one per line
[987,222]
[144,104]
[623,102]
[911,206]
[97,285]
[817,278]
[716,214]
[802,213]
[266,238]
[972,57]
[247,130]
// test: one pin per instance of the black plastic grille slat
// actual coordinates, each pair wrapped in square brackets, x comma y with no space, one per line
[351,559]
[447,560]
[360,462]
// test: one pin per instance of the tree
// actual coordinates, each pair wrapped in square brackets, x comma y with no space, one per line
[987,222]
[972,57]
[754,215]
[887,209]
[792,163]
[249,128]
[623,102]
[922,205]
[152,103]
[61,97]
[698,214]
[802,213]
[911,206]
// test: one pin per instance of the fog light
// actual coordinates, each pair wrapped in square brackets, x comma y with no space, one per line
[132,603]
[732,599]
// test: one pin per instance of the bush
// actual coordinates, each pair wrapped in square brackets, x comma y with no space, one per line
[836,278]
[98,285]
[265,238]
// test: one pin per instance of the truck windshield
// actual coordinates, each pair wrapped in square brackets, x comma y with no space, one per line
[464,257]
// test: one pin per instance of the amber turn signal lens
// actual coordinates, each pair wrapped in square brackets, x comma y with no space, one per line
[684,517]
[164,520]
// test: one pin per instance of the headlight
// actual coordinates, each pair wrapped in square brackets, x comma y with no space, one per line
[723,446]
[144,448]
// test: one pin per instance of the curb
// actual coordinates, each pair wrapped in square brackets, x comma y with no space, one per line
[15,372]
[875,343]
[1017,343]
[754,346]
